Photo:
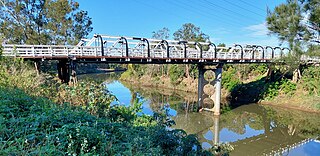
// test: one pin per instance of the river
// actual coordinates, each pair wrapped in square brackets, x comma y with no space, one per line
[252,129]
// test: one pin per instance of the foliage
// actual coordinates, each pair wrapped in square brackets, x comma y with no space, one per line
[285,22]
[31,125]
[161,34]
[229,80]
[90,96]
[314,50]
[43,22]
[84,124]
[273,89]
[175,74]
[296,22]
[15,72]
[311,80]
[190,32]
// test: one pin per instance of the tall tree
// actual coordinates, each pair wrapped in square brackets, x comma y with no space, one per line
[296,22]
[43,22]
[190,32]
[161,34]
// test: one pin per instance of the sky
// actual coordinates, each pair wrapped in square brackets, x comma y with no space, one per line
[225,21]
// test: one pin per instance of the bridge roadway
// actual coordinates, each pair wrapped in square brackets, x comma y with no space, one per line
[133,50]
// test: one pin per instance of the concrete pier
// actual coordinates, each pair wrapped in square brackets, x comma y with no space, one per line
[216,83]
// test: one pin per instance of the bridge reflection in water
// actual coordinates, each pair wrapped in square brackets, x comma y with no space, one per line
[251,129]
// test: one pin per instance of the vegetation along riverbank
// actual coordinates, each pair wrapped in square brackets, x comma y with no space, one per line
[242,84]
[40,116]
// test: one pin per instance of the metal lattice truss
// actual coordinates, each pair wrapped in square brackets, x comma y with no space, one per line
[103,46]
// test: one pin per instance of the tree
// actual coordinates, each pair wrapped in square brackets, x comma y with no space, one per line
[161,34]
[296,22]
[190,32]
[43,22]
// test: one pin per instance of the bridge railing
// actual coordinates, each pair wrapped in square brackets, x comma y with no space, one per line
[175,51]
[49,51]
[154,51]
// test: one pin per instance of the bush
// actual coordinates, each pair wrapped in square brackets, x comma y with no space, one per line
[311,80]
[36,126]
[284,86]
[229,79]
[176,74]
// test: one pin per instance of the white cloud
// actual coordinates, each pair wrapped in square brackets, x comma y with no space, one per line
[258,30]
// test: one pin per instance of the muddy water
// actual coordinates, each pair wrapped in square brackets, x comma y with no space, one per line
[251,129]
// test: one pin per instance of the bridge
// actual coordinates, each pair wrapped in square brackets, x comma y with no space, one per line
[135,50]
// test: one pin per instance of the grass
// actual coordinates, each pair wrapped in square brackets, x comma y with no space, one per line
[39,116]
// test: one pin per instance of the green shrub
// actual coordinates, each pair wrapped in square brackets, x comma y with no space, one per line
[283,86]
[33,126]
[176,74]
[311,80]
[229,79]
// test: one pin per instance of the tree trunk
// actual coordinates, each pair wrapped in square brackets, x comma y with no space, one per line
[296,75]
[187,71]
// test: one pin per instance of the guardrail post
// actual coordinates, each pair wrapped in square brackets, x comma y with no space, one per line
[241,50]
[101,42]
[167,47]
[215,49]
[272,51]
[126,44]
[280,51]
[262,51]
[184,48]
[289,51]
[200,46]
[253,49]
[32,51]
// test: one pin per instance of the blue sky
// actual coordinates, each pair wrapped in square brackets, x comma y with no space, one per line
[225,21]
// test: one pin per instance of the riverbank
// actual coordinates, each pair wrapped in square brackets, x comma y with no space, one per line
[40,116]
[188,85]
[254,90]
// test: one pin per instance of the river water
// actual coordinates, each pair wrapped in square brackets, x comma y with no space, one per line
[251,129]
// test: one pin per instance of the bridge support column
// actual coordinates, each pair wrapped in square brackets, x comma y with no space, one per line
[66,69]
[216,130]
[200,85]
[217,101]
[217,88]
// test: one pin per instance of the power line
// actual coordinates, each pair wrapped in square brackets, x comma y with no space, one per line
[222,12]
[235,23]
[224,8]
[234,4]
[251,5]
[205,14]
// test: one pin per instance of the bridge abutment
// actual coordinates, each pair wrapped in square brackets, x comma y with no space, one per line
[215,94]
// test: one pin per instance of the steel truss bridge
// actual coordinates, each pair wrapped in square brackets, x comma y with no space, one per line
[135,50]
[114,49]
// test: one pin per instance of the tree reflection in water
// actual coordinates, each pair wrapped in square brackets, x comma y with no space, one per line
[251,129]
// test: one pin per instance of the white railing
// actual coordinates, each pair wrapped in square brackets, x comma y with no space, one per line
[69,51]
[117,48]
